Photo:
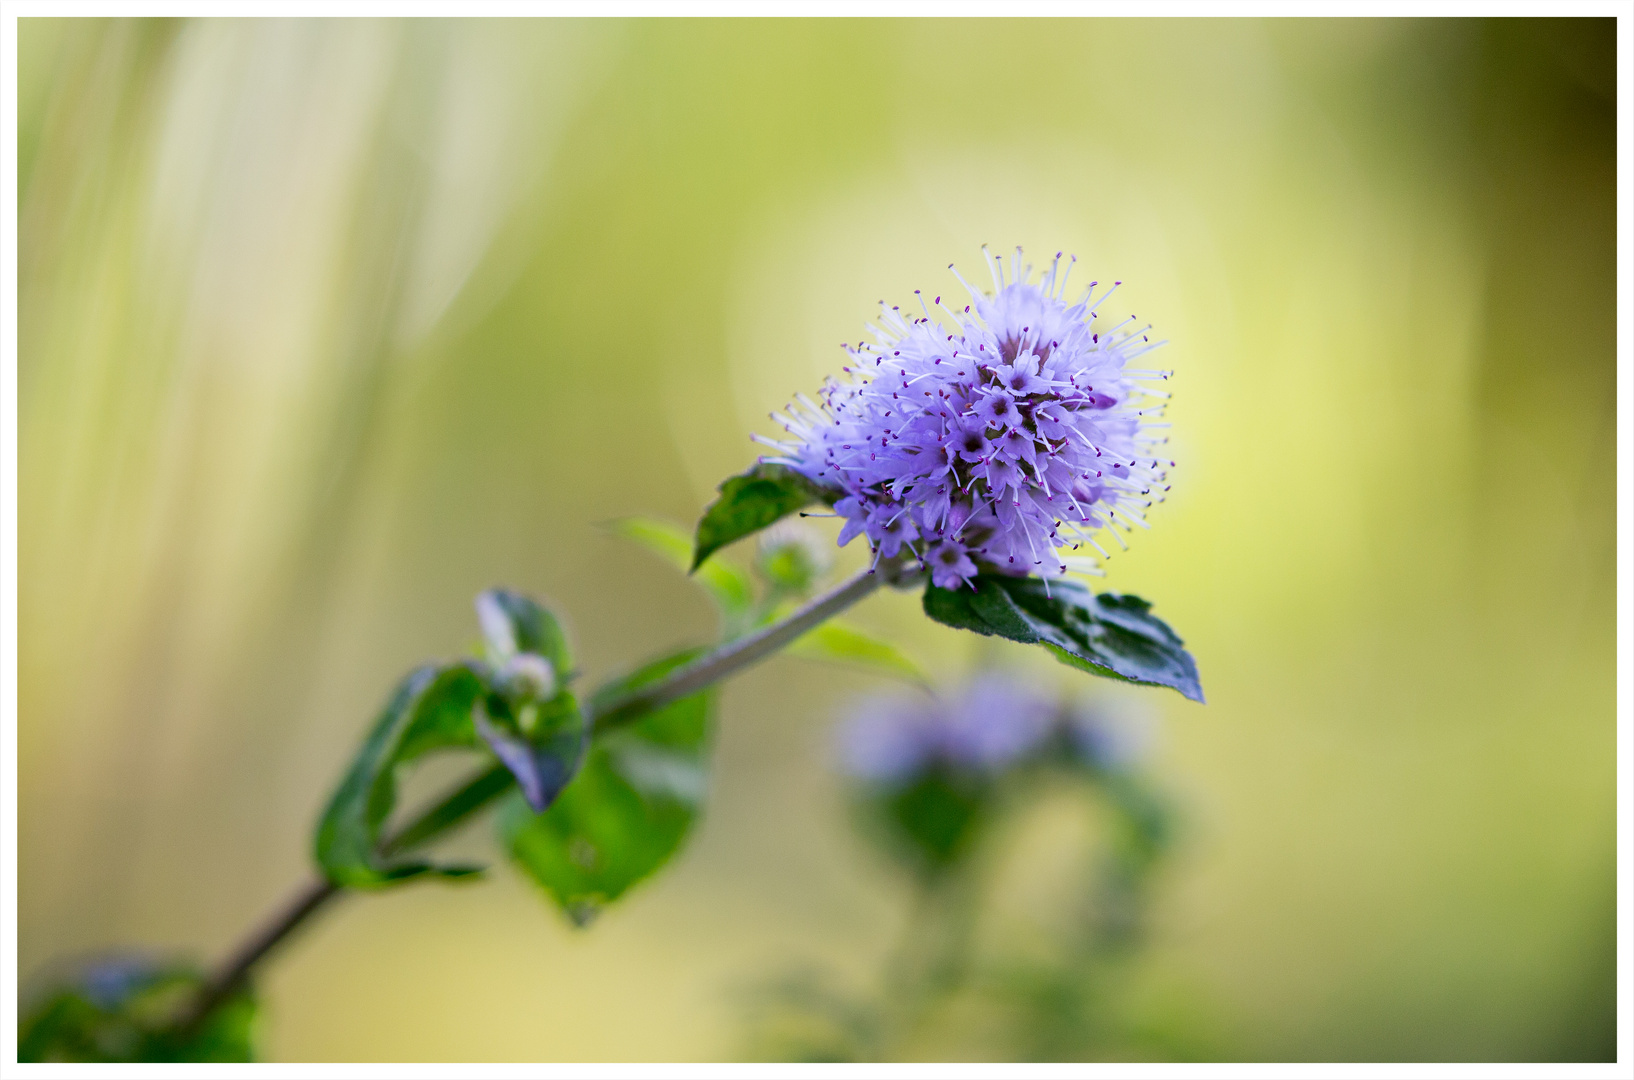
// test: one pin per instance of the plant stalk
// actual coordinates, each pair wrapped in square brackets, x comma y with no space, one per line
[734,655]
[493,781]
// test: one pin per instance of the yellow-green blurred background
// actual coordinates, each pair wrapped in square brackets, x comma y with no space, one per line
[327,325]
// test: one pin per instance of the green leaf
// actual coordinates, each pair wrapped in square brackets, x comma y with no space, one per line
[628,810]
[839,642]
[127,1009]
[728,586]
[953,607]
[430,710]
[934,820]
[541,743]
[514,623]
[1111,634]
[751,501]
[1145,820]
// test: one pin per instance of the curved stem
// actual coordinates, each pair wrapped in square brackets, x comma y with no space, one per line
[734,655]
[495,780]
[928,965]
[455,807]
[226,981]
[443,815]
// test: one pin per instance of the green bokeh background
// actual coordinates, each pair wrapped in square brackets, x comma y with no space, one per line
[327,325]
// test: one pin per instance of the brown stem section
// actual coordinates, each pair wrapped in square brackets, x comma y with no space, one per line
[738,654]
[226,981]
[482,789]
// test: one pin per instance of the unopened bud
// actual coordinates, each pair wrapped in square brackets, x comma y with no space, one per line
[528,675]
[792,557]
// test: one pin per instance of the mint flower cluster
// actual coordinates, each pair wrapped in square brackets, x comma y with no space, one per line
[988,438]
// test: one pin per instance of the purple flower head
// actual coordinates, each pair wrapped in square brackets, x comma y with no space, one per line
[996,408]
[888,738]
[1001,472]
[950,564]
[989,437]
[968,440]
[990,723]
[1021,378]
[889,526]
[994,721]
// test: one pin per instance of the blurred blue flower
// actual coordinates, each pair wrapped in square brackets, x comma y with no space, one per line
[108,982]
[887,738]
[991,722]
[996,720]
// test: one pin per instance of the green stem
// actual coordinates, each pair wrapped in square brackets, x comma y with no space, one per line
[455,807]
[734,655]
[494,780]
[929,963]
[459,804]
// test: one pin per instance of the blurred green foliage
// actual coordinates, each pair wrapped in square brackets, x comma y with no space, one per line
[324,326]
[1056,998]
[629,808]
[124,1009]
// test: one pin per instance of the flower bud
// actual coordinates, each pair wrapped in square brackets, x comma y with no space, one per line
[528,676]
[792,557]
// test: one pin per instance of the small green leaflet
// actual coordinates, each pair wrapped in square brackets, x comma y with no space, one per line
[1108,634]
[532,726]
[934,820]
[728,586]
[430,710]
[751,501]
[628,810]
[839,642]
[514,623]
[545,756]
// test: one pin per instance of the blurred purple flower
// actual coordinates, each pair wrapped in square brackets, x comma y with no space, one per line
[888,738]
[109,981]
[980,441]
[996,720]
[991,722]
